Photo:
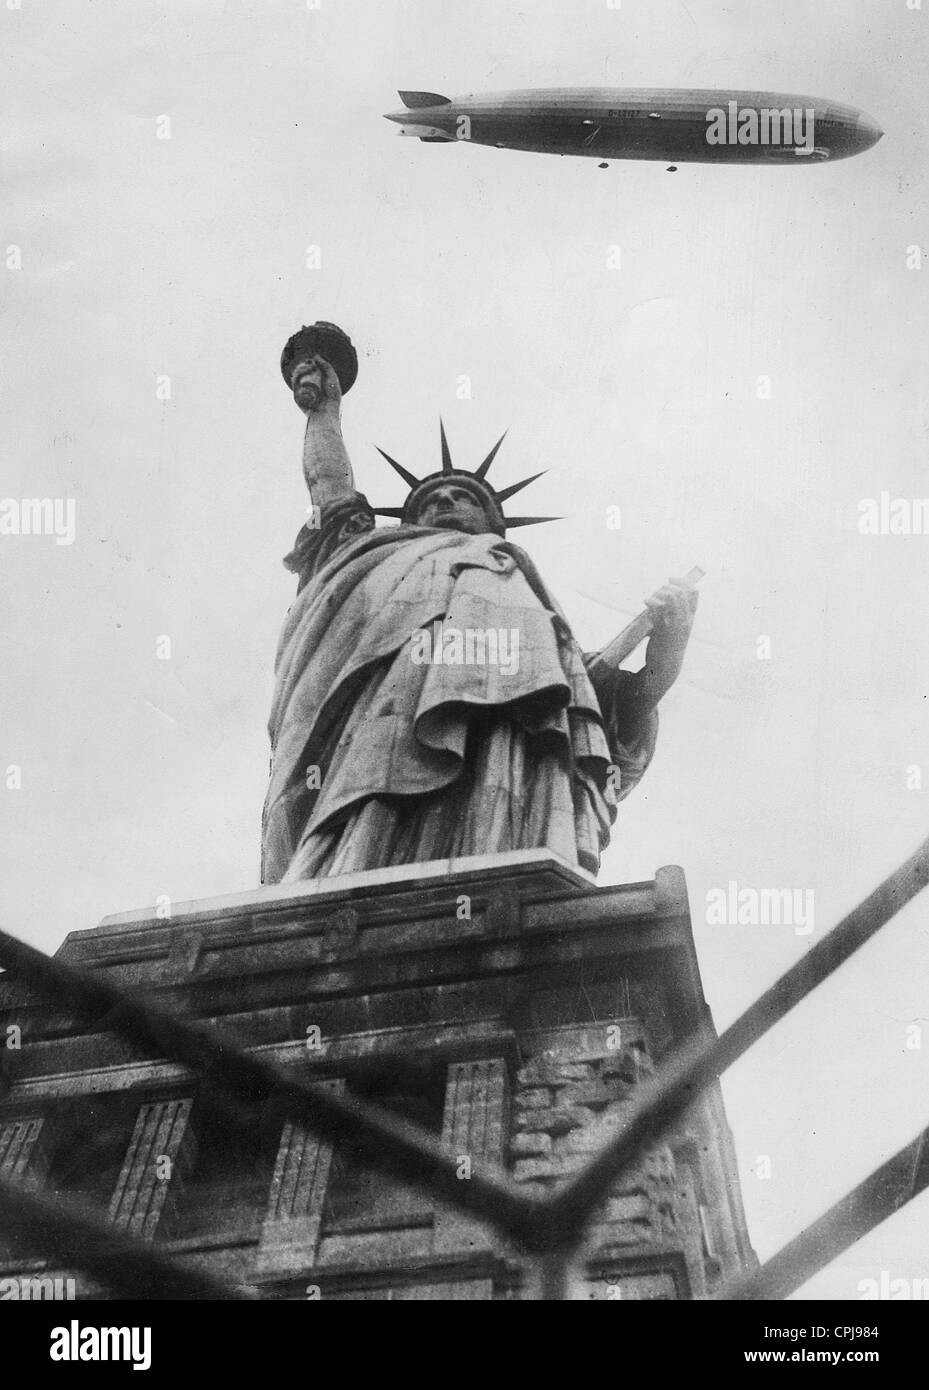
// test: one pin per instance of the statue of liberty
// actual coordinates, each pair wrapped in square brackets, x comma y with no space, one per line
[431,701]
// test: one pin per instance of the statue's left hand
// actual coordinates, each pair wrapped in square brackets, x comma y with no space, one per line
[672,608]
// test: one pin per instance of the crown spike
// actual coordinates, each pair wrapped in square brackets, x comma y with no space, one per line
[446,455]
[407,477]
[482,471]
[512,521]
[518,487]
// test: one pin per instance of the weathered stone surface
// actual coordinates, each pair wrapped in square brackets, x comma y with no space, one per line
[372,1249]
[290,1230]
[594,1092]
[581,1141]
[554,1121]
[21,1157]
[617,1112]
[632,1208]
[537,1187]
[659,1165]
[548,1070]
[534,1099]
[474,1104]
[161,1133]
[629,1064]
[528,1144]
[623,1234]
[600,1127]
[633,1182]
[473,1125]
[549,1167]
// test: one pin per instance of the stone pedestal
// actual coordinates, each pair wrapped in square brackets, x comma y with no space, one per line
[505,1000]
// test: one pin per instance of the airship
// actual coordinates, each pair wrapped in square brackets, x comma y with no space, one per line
[672,125]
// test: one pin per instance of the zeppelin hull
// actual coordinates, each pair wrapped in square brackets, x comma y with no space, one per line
[674,126]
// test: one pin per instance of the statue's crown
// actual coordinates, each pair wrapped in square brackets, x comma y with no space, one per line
[475,482]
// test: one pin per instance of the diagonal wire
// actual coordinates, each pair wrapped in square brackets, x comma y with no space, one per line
[130,1267]
[875,1199]
[240,1083]
[664,1098]
[394,1146]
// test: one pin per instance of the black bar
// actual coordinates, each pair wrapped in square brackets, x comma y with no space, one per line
[663,1098]
[404,1150]
[131,1268]
[882,1193]
[236,1080]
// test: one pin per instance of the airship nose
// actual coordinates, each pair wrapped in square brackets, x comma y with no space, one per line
[868,131]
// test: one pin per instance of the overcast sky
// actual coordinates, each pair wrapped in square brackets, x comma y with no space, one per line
[187,258]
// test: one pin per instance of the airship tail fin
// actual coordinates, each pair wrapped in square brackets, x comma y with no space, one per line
[415,99]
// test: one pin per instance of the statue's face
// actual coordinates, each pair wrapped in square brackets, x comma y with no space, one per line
[453,508]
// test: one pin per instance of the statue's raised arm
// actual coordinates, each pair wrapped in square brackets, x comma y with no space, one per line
[319,365]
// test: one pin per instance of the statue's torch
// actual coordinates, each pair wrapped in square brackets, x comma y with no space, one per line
[300,362]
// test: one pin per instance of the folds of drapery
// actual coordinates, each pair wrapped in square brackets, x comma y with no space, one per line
[379,758]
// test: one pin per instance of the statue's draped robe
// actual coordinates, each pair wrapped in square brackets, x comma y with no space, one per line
[378,759]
